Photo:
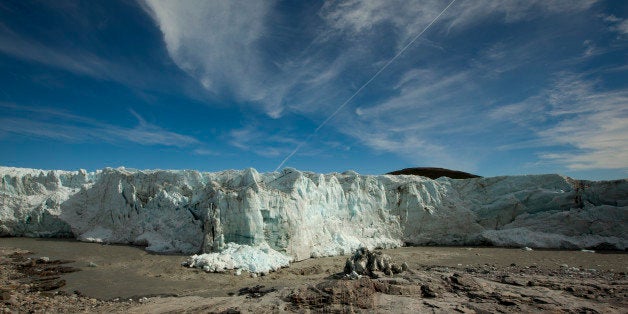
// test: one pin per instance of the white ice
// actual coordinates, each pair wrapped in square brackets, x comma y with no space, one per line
[302,214]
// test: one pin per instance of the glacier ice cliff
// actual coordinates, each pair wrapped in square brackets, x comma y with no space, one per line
[304,214]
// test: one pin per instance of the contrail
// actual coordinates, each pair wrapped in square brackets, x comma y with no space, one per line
[363,86]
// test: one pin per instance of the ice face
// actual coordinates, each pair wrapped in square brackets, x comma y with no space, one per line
[304,214]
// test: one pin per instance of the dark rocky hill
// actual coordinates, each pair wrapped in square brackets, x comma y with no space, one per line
[435,173]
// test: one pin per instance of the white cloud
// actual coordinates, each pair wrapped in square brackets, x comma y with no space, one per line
[611,18]
[409,16]
[429,107]
[470,12]
[419,89]
[217,42]
[83,63]
[587,126]
[622,27]
[229,47]
[206,152]
[263,142]
[414,147]
[78,61]
[617,24]
[590,49]
[63,126]
[255,139]
[223,45]
[525,113]
[358,16]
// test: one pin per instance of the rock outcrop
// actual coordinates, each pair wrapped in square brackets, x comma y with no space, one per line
[372,263]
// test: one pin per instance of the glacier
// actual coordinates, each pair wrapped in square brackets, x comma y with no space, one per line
[300,215]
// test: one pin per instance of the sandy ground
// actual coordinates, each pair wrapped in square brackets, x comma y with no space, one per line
[113,278]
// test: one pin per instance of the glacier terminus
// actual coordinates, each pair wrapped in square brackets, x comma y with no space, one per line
[259,222]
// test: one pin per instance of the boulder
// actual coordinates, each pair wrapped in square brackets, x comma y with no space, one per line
[374,264]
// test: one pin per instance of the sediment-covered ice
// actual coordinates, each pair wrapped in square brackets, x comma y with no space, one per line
[304,214]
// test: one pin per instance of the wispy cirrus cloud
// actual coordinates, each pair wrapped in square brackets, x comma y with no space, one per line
[408,16]
[471,12]
[588,124]
[206,152]
[230,47]
[37,33]
[257,140]
[218,43]
[82,63]
[591,121]
[425,108]
[617,24]
[63,126]
[429,107]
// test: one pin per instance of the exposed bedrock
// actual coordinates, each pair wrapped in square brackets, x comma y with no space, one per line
[304,214]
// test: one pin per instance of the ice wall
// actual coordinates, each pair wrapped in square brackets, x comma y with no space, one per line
[303,214]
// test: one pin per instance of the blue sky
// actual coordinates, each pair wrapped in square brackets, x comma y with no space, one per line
[492,87]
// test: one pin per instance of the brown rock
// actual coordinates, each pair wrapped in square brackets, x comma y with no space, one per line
[371,263]
[512,281]
[428,292]
[5,295]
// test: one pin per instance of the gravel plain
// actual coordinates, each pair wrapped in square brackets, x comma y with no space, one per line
[56,275]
